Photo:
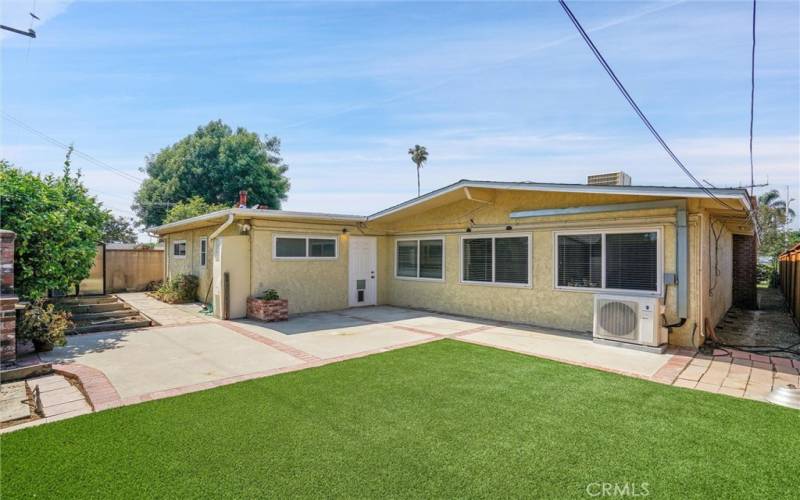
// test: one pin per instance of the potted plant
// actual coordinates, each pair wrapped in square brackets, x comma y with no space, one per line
[44,325]
[268,307]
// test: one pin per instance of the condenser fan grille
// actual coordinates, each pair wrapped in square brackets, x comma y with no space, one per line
[618,319]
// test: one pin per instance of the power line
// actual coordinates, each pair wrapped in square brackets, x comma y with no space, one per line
[752,96]
[635,106]
[80,154]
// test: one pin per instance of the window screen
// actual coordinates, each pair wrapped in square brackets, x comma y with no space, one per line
[430,259]
[290,247]
[632,261]
[511,260]
[319,247]
[579,260]
[477,255]
[407,259]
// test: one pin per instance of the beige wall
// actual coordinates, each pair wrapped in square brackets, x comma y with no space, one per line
[191,263]
[540,304]
[317,285]
[309,285]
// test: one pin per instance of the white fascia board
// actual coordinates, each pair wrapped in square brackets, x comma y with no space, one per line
[254,213]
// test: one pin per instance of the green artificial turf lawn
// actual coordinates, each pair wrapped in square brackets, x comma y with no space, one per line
[443,419]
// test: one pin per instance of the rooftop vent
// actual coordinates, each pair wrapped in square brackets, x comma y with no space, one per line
[612,179]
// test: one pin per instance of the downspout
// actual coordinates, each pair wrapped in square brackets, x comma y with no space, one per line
[211,238]
[681,239]
[221,228]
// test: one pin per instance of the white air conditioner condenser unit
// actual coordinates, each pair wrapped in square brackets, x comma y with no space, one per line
[629,319]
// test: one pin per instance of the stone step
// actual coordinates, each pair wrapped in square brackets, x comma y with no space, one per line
[94,299]
[118,324]
[97,316]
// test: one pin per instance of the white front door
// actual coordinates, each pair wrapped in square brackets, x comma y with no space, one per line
[363,287]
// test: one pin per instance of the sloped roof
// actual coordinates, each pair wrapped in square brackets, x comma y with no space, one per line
[674,191]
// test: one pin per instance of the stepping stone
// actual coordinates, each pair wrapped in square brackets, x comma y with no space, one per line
[12,402]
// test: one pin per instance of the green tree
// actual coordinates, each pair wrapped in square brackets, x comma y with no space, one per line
[192,207]
[419,155]
[774,217]
[58,226]
[119,230]
[214,163]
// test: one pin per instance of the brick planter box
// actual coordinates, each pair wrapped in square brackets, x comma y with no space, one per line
[267,310]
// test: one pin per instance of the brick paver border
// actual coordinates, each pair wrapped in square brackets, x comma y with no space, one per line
[96,386]
[280,346]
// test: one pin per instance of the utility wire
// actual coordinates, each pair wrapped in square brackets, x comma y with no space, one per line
[80,154]
[752,98]
[635,107]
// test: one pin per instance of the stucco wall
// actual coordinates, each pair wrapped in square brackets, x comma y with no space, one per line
[540,304]
[309,285]
[317,285]
[190,264]
[720,271]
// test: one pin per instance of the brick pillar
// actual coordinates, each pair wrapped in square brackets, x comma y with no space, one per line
[745,255]
[8,299]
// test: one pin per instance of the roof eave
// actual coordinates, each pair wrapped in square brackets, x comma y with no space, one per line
[247,213]
[738,194]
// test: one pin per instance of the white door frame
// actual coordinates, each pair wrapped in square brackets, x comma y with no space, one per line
[362,271]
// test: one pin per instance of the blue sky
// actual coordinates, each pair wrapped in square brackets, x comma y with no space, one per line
[494,90]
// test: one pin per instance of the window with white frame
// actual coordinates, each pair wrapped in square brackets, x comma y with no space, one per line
[496,259]
[611,260]
[304,247]
[203,251]
[179,249]
[420,258]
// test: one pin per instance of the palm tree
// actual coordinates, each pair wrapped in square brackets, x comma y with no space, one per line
[419,155]
[772,199]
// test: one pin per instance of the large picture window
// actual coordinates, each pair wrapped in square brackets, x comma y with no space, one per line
[496,259]
[420,259]
[609,260]
[304,247]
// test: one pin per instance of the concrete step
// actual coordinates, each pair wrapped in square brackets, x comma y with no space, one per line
[117,324]
[95,308]
[96,316]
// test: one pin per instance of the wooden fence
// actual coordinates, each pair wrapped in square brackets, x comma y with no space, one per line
[123,270]
[789,267]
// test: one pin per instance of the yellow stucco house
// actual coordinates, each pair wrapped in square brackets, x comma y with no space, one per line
[537,253]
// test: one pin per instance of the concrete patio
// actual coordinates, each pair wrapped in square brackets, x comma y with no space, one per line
[192,351]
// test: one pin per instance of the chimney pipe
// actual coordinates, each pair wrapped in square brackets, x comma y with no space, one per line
[242,199]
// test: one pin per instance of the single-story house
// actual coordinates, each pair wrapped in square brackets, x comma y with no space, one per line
[527,252]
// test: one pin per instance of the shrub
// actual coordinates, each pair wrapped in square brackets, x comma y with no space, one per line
[43,324]
[270,294]
[181,288]
[154,285]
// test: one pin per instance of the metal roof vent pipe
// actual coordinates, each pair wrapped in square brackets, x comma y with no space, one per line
[788,396]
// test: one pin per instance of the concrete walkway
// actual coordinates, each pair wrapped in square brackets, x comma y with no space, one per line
[192,351]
